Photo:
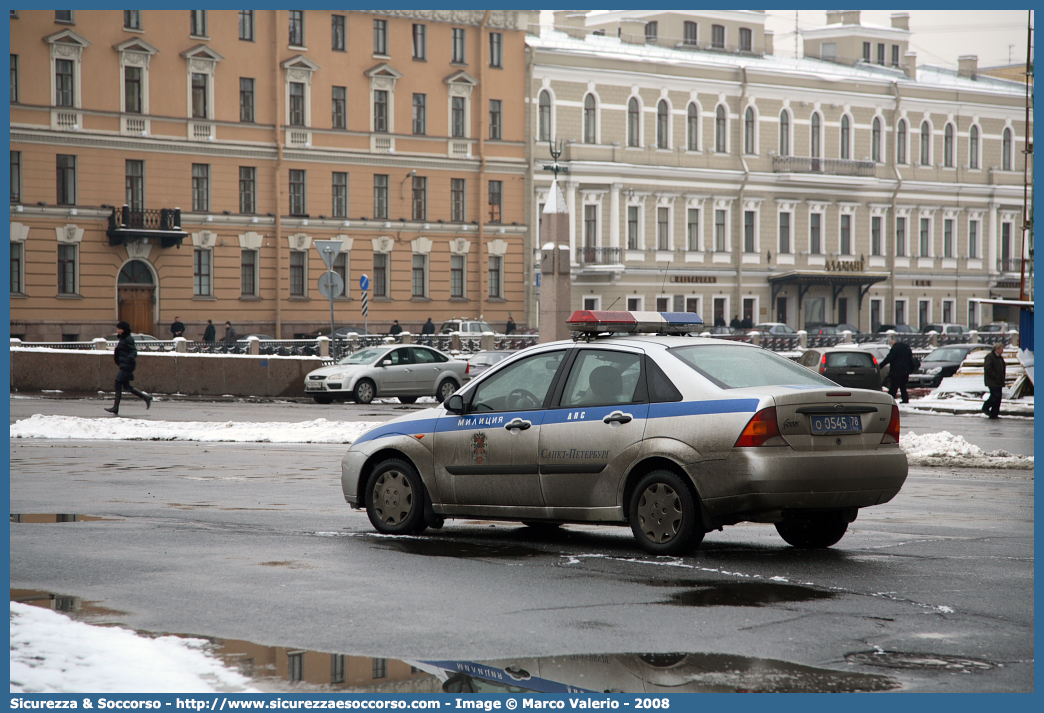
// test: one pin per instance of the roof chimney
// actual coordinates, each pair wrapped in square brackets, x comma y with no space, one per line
[968,66]
[572,22]
[850,17]
[769,42]
[834,17]
[910,66]
[901,21]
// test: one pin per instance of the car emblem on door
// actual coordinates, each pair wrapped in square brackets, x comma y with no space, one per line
[478,448]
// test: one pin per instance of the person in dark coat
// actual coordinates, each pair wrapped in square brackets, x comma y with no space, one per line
[735,323]
[511,326]
[719,321]
[125,356]
[230,333]
[993,368]
[900,356]
[429,327]
[177,329]
[747,323]
[209,333]
[395,328]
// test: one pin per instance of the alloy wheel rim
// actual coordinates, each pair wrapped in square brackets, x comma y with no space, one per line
[660,513]
[365,392]
[392,497]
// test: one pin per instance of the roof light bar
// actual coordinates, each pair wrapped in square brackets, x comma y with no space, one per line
[586,320]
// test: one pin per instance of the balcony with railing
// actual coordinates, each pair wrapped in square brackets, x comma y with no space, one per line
[830,166]
[1009,264]
[598,256]
[127,225]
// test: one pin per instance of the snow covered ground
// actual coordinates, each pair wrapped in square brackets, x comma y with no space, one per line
[946,449]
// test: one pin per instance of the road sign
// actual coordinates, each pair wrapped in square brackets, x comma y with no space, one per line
[328,251]
[365,304]
[331,285]
[364,283]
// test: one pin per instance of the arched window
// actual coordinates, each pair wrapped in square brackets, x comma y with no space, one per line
[135,272]
[875,139]
[846,137]
[748,131]
[692,128]
[926,144]
[784,133]
[973,147]
[900,142]
[1006,150]
[544,116]
[589,119]
[948,146]
[719,130]
[661,124]
[633,124]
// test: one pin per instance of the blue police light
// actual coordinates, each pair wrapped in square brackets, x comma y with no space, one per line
[593,321]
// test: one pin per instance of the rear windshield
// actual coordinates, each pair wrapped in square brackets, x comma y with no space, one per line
[736,367]
[849,359]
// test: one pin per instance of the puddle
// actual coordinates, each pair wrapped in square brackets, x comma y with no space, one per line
[738,594]
[467,550]
[74,606]
[59,517]
[920,662]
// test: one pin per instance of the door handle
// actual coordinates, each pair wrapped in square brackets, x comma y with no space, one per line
[519,424]
[617,417]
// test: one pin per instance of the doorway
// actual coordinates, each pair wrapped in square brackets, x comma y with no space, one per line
[136,292]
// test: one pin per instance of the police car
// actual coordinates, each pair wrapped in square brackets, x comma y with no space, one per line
[633,423]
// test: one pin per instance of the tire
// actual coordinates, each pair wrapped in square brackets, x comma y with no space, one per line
[445,390]
[364,391]
[407,399]
[323,399]
[395,498]
[663,515]
[812,532]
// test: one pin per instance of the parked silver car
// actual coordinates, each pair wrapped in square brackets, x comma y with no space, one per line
[407,372]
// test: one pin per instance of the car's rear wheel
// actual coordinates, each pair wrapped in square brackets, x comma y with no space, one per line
[323,398]
[395,498]
[663,515]
[364,391]
[407,399]
[445,390]
[812,532]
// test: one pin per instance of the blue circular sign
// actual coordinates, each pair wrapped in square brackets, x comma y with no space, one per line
[364,283]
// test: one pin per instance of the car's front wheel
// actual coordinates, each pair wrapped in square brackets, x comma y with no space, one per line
[663,515]
[323,398]
[812,532]
[395,498]
[364,391]
[445,390]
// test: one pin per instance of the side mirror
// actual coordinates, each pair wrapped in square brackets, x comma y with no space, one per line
[386,362]
[455,404]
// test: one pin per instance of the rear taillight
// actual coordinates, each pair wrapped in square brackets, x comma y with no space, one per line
[467,369]
[891,434]
[822,365]
[874,358]
[761,430]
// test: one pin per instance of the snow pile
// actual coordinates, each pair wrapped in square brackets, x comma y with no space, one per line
[946,449]
[131,429]
[51,653]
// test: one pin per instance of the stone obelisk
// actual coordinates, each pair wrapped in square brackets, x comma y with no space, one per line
[555,286]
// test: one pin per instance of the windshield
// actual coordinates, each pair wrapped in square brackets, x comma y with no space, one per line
[736,367]
[365,356]
[948,354]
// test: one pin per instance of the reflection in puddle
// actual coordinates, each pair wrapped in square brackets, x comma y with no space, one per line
[58,517]
[74,606]
[450,548]
[745,594]
[922,662]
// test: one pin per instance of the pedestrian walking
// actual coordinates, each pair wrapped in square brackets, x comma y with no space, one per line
[230,334]
[177,329]
[429,327]
[126,356]
[747,323]
[901,357]
[209,333]
[395,328]
[510,327]
[993,369]
[735,323]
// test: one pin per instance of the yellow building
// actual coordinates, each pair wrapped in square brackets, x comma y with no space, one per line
[183,163]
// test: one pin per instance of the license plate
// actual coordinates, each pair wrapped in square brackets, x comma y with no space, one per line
[836,424]
[313,386]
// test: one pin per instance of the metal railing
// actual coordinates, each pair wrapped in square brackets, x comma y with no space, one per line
[598,256]
[832,166]
[781,343]
[1009,264]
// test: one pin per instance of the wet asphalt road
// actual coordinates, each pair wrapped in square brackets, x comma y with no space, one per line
[253,542]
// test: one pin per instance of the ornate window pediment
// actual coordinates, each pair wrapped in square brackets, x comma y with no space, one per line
[202,53]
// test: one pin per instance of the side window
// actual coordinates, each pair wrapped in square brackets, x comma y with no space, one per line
[423,356]
[523,385]
[661,390]
[602,378]
[400,356]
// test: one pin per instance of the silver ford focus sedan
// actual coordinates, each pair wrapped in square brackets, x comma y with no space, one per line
[673,435]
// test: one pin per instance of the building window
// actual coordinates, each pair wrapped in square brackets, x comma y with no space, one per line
[457,117]
[456,276]
[973,147]
[132,90]
[380,275]
[457,200]
[64,88]
[200,187]
[132,19]
[340,266]
[719,231]
[866,52]
[692,229]
[745,39]
[458,45]
[784,233]
[297,104]
[198,23]
[690,34]
[973,239]
[420,113]
[692,128]
[947,240]
[420,198]
[495,200]
[880,53]
[135,180]
[199,96]
[900,237]
[926,144]
[875,235]
[815,243]
[748,131]
[380,110]
[662,114]
[632,227]
[947,311]
[14,78]
[67,269]
[900,311]
[544,116]
[247,189]
[16,176]
[846,137]
[66,179]
[16,268]
[64,16]
[895,55]
[900,142]
[380,668]
[496,271]
[748,231]
[494,119]
[297,273]
[719,129]
[420,42]
[846,234]
[663,237]
[784,133]
[590,226]
[875,140]
[297,192]
[246,99]
[652,31]
[718,37]
[420,280]
[1006,150]
[589,119]
[339,104]
[948,146]
[201,272]
[380,195]
[339,207]
[297,34]
[248,273]
[926,238]
[380,37]
[633,122]
[246,25]
[337,39]
[814,144]
[496,50]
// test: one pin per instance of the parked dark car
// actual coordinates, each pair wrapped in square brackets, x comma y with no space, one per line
[943,362]
[847,328]
[848,366]
[897,328]
[880,351]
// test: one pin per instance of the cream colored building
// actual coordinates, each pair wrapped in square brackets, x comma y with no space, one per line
[706,174]
[236,140]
